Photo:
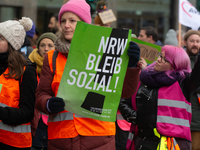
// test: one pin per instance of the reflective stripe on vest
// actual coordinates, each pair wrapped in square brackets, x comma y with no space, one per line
[171,120]
[79,116]
[3,105]
[16,129]
[61,117]
[174,103]
[130,136]
[120,117]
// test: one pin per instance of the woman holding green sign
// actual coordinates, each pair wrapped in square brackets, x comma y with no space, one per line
[161,108]
[66,130]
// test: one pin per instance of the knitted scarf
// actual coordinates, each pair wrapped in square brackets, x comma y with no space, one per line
[61,44]
[158,79]
[37,58]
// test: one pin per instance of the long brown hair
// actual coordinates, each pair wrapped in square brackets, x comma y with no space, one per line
[16,63]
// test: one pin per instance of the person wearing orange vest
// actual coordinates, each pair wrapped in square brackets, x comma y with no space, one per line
[66,130]
[161,107]
[18,83]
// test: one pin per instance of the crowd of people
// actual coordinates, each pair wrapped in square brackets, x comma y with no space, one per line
[159,105]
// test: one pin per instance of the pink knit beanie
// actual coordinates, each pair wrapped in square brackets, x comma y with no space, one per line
[78,7]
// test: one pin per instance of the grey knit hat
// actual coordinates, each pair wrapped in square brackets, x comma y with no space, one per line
[171,38]
[15,31]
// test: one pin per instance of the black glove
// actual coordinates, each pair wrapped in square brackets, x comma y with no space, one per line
[133,117]
[134,54]
[4,113]
[56,105]
[127,111]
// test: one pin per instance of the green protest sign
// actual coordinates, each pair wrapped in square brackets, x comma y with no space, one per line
[92,81]
[148,51]
[0,87]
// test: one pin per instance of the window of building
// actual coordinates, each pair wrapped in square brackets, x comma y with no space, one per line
[10,13]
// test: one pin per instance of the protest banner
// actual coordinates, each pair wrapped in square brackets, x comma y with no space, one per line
[107,16]
[148,51]
[92,81]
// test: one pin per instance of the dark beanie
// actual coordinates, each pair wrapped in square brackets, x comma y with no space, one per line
[31,32]
[48,35]
[190,32]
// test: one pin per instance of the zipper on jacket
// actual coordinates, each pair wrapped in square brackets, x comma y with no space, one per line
[145,94]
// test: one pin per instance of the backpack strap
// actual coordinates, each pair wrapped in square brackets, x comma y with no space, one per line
[55,54]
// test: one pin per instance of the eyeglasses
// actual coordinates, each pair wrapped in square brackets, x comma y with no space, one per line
[163,59]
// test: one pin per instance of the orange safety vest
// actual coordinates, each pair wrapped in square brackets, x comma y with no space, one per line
[15,136]
[172,144]
[66,124]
